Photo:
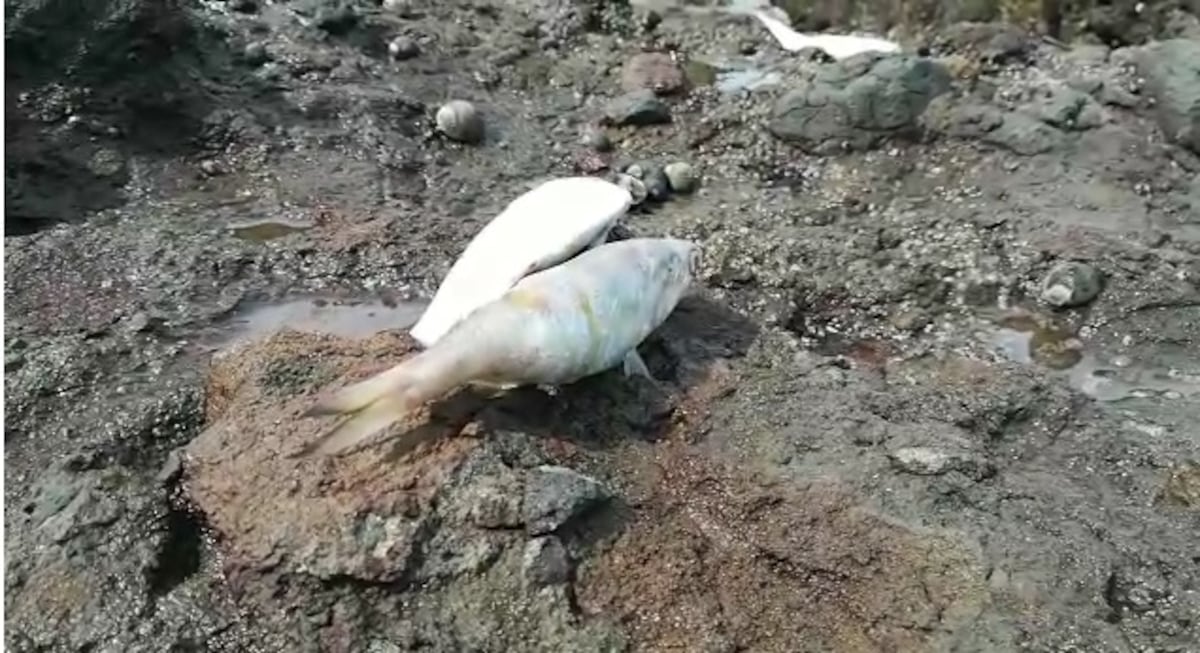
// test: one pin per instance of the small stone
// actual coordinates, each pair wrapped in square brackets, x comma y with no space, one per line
[681,176]
[927,461]
[635,170]
[255,54]
[1071,284]
[658,187]
[638,108]
[546,561]
[244,6]
[460,120]
[555,495]
[107,163]
[210,168]
[653,71]
[171,469]
[403,47]
[595,138]
[636,188]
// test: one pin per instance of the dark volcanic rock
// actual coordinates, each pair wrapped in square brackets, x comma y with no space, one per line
[655,71]
[840,106]
[555,495]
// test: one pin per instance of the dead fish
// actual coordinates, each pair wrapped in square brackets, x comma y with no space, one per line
[541,228]
[553,327]
[838,46]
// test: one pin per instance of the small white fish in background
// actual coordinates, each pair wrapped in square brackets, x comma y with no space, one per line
[838,46]
[543,227]
[553,327]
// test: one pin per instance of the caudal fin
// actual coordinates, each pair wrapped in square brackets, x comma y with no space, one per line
[370,406]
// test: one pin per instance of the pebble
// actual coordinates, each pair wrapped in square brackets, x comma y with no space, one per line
[595,138]
[638,108]
[1071,284]
[636,188]
[403,47]
[681,176]
[460,120]
[658,187]
[255,54]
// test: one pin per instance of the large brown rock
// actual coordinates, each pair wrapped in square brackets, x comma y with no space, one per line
[359,515]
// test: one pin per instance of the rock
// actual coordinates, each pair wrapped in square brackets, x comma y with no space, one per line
[1182,487]
[1172,72]
[595,138]
[681,176]
[654,71]
[1064,107]
[403,47]
[928,461]
[255,54]
[336,18]
[638,108]
[460,120]
[1016,131]
[546,561]
[280,514]
[658,187]
[636,188]
[836,107]
[994,41]
[555,495]
[107,162]
[1071,284]
[1088,54]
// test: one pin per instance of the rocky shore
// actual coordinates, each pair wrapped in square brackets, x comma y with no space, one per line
[937,390]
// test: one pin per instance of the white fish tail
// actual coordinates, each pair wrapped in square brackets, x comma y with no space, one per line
[372,405]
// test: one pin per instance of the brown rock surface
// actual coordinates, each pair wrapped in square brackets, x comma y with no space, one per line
[655,71]
[355,516]
[720,560]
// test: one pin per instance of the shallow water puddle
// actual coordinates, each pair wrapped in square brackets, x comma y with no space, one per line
[729,75]
[1024,338]
[264,230]
[346,318]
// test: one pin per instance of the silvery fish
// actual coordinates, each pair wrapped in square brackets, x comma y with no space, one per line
[838,46]
[541,228]
[553,327]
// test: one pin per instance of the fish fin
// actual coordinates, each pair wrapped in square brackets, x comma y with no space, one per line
[370,406]
[359,427]
[633,365]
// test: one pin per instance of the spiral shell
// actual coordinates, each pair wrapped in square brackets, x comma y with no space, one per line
[460,120]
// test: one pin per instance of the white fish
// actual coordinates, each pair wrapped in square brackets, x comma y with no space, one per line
[543,227]
[838,46]
[553,327]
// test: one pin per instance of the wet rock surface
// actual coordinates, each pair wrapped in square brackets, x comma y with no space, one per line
[937,389]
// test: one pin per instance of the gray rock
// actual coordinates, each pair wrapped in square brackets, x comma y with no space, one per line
[654,71]
[546,561]
[1065,107]
[403,47]
[1071,284]
[460,120]
[638,108]
[255,53]
[681,176]
[1172,72]
[554,495]
[1016,131]
[595,138]
[658,187]
[837,108]
[929,461]
[1024,134]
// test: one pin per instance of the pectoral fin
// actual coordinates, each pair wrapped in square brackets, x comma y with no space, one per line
[634,365]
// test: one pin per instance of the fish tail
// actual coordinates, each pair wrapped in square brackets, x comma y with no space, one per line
[371,406]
